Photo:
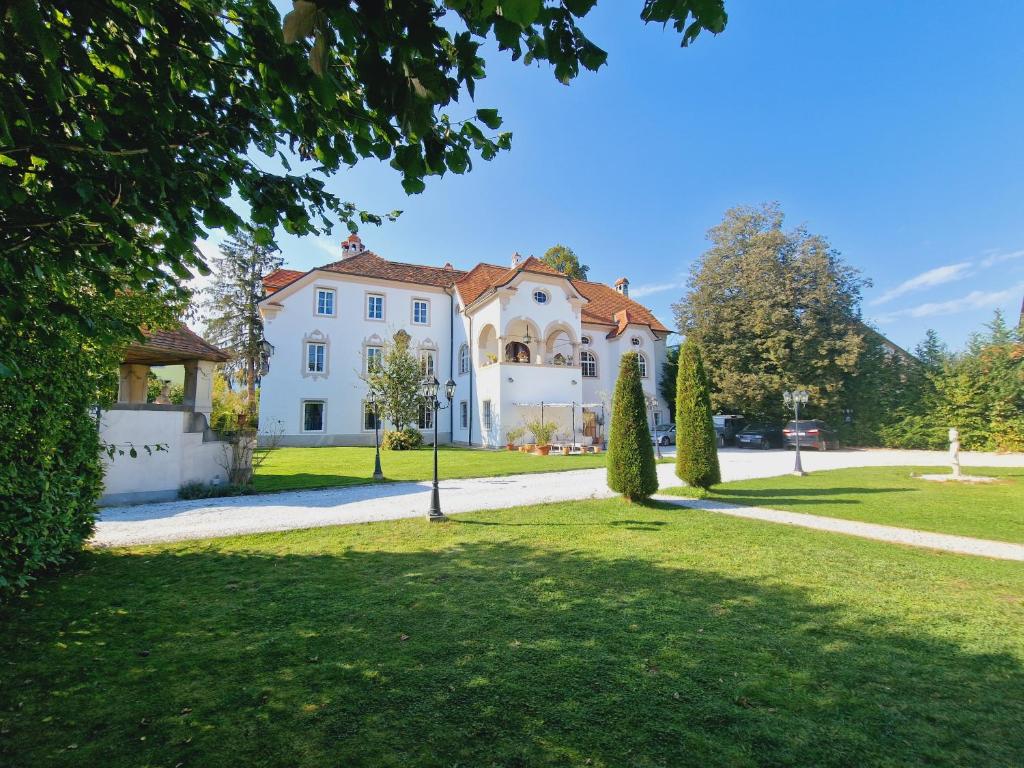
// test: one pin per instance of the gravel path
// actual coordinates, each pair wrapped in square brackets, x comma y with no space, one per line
[961,544]
[179,520]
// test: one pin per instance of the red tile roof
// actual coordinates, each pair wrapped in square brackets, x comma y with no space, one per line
[605,304]
[279,278]
[173,346]
[369,264]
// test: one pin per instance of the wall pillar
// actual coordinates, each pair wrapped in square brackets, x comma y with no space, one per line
[133,384]
[199,385]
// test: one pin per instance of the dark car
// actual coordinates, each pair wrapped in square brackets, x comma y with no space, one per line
[763,436]
[814,433]
[727,427]
[664,434]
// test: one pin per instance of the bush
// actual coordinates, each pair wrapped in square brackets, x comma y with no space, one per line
[407,439]
[542,431]
[210,491]
[631,468]
[696,444]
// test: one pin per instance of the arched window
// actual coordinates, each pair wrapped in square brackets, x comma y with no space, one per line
[588,364]
[641,362]
[517,352]
[464,359]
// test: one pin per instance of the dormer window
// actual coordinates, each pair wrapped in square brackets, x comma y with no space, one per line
[541,297]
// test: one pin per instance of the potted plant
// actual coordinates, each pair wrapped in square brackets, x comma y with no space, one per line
[542,433]
[512,436]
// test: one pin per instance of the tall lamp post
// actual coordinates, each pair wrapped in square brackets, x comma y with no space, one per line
[430,386]
[794,400]
[371,400]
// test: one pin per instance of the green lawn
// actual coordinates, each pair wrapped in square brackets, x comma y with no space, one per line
[891,496]
[294,468]
[588,634]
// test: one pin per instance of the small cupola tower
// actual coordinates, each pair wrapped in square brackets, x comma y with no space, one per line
[622,286]
[351,246]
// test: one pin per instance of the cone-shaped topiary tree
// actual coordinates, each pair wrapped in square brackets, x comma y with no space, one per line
[696,444]
[631,469]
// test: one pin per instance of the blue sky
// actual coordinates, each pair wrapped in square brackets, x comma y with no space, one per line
[894,129]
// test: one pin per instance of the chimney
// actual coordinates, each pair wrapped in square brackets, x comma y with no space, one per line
[622,286]
[516,259]
[351,246]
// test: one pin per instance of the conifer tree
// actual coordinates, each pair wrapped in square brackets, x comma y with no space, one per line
[696,445]
[631,468]
[232,304]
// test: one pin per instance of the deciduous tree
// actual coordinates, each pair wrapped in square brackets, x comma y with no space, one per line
[564,259]
[395,380]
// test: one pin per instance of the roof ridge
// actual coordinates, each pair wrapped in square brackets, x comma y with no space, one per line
[390,261]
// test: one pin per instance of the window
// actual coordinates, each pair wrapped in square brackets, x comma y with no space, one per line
[464,359]
[487,414]
[426,416]
[374,355]
[588,364]
[641,362]
[584,340]
[541,297]
[635,341]
[374,306]
[427,364]
[325,301]
[464,414]
[420,311]
[657,418]
[316,357]
[369,420]
[313,415]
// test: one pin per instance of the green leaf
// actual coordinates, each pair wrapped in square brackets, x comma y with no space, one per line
[522,12]
[490,118]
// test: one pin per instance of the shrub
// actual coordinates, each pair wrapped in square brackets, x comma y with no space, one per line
[542,431]
[210,491]
[515,434]
[631,468]
[407,439]
[696,444]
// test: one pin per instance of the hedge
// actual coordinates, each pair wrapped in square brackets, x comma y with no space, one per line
[631,468]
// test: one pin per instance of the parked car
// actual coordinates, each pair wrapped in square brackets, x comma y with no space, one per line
[727,427]
[664,434]
[763,436]
[814,433]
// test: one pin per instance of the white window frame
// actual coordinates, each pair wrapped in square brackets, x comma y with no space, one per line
[488,415]
[540,292]
[368,412]
[428,369]
[464,414]
[464,360]
[371,351]
[323,416]
[316,302]
[641,362]
[425,303]
[584,354]
[313,359]
[383,307]
[425,417]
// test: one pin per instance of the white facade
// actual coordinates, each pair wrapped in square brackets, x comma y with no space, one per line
[314,400]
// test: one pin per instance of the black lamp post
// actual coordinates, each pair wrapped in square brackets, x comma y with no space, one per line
[430,386]
[794,400]
[372,402]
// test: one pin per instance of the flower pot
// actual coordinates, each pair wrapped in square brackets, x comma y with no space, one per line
[565,450]
[511,446]
[543,450]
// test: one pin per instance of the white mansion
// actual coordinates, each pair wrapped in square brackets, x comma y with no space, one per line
[512,339]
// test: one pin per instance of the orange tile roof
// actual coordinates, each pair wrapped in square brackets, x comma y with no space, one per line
[279,278]
[173,345]
[605,305]
[369,264]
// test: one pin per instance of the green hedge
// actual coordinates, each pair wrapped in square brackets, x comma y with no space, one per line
[50,470]
[696,444]
[631,468]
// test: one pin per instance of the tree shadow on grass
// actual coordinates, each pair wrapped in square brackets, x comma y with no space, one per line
[798,496]
[481,654]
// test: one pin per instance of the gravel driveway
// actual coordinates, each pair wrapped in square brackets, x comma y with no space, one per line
[178,520]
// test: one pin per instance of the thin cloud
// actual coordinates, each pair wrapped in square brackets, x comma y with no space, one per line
[999,258]
[973,300]
[639,291]
[939,276]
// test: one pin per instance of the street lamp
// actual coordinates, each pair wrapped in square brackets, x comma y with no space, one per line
[430,386]
[371,400]
[794,400]
[652,403]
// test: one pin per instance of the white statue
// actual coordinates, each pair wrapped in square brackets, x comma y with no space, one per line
[954,450]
